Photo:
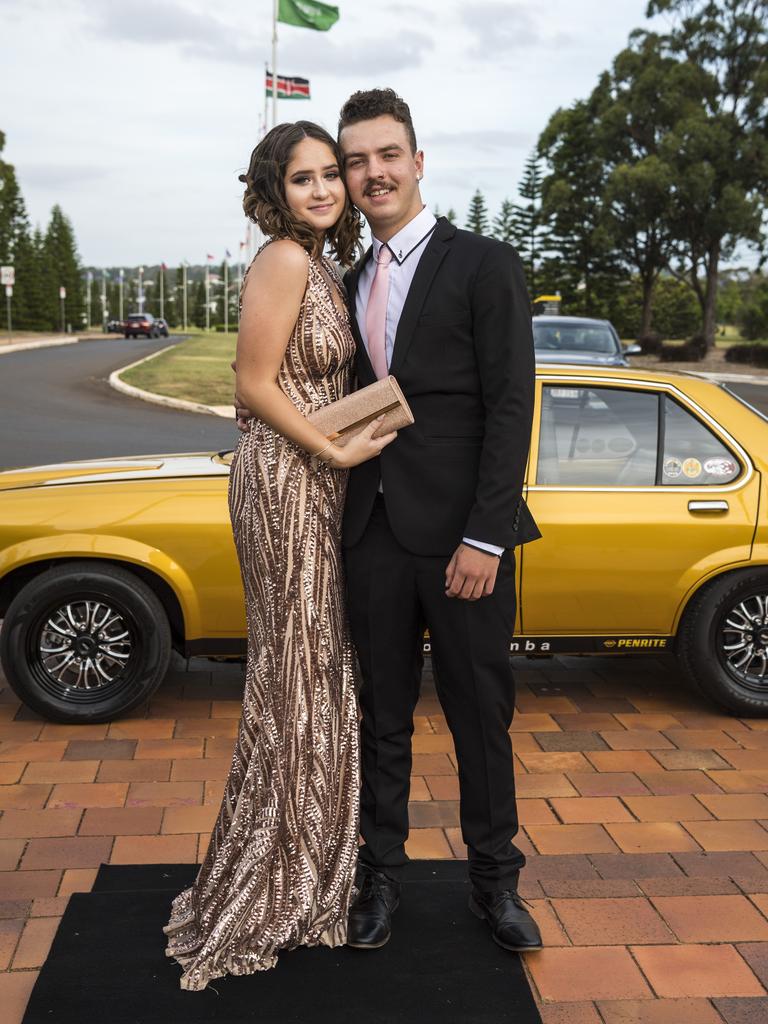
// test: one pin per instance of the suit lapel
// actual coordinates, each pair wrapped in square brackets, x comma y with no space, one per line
[364,368]
[433,255]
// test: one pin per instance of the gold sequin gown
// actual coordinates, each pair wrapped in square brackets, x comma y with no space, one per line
[280,865]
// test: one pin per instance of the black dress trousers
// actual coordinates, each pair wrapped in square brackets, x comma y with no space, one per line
[393,595]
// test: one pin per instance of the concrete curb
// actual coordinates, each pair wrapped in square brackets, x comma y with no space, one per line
[152,396]
[22,346]
[732,378]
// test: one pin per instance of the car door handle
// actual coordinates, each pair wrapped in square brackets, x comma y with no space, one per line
[708,506]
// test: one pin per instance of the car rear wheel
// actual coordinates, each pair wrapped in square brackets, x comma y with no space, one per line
[84,643]
[723,642]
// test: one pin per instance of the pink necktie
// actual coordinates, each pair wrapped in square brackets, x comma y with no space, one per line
[376,314]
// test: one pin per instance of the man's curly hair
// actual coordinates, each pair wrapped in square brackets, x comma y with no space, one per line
[365,105]
[264,199]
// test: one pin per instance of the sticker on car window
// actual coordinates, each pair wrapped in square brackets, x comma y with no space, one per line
[692,468]
[720,467]
[673,467]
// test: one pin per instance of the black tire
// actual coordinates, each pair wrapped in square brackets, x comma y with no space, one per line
[43,649]
[126,335]
[727,662]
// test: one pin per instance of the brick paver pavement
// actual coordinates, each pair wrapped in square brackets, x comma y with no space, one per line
[644,815]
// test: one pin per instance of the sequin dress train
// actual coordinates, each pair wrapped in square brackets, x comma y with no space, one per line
[280,865]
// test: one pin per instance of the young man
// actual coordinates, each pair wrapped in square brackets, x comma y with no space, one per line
[430,527]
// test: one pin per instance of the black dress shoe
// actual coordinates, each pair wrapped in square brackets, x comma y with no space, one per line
[370,915]
[511,924]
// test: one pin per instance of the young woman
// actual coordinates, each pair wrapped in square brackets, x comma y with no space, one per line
[281,860]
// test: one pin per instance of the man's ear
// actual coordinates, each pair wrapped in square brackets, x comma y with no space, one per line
[418,159]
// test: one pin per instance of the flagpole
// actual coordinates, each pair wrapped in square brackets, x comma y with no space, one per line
[162,297]
[208,294]
[263,131]
[274,62]
[226,296]
[184,293]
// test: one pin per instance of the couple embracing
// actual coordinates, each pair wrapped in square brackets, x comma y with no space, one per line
[348,553]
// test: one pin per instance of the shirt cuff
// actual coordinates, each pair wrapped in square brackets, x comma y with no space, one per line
[492,549]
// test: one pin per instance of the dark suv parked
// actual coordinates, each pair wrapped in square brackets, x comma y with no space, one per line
[143,323]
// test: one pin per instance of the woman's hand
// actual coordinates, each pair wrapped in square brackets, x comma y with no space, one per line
[360,448]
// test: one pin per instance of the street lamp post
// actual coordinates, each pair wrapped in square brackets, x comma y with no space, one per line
[141,289]
[120,289]
[184,294]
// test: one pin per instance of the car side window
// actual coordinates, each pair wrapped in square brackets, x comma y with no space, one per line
[692,453]
[598,437]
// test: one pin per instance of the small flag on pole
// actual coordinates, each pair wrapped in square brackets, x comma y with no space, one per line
[228,254]
[307,14]
[288,88]
[210,258]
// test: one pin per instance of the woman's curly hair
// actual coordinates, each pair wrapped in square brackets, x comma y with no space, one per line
[264,197]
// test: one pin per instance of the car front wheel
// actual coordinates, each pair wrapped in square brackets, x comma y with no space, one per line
[84,643]
[723,642]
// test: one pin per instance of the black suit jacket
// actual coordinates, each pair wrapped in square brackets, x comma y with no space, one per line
[463,356]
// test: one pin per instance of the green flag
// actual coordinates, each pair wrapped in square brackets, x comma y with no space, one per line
[307,14]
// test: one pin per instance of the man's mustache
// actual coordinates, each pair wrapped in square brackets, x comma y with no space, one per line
[374,186]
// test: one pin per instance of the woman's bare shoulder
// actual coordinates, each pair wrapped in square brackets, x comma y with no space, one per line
[284,257]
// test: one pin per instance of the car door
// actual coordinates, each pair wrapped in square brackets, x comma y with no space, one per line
[639,495]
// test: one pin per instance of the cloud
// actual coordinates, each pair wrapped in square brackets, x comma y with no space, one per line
[489,139]
[367,57]
[159,22]
[199,34]
[61,176]
[502,28]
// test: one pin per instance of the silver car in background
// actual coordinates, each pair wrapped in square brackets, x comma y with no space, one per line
[579,340]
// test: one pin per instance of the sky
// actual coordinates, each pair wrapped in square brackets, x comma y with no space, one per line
[136,116]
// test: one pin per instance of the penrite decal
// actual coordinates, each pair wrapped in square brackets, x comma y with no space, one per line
[531,645]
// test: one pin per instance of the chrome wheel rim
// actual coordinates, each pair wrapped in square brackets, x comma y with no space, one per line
[742,642]
[84,645]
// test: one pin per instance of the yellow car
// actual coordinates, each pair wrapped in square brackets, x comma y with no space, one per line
[648,488]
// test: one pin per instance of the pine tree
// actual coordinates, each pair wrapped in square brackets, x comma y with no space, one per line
[530,233]
[13,214]
[44,307]
[62,252]
[451,215]
[477,217]
[504,222]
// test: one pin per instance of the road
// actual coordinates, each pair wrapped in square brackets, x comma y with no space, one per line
[56,405]
[755,394]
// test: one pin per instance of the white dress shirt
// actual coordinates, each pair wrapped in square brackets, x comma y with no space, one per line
[407,247]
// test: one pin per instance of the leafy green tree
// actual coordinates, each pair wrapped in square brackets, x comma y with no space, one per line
[648,92]
[753,316]
[477,217]
[582,259]
[61,251]
[718,151]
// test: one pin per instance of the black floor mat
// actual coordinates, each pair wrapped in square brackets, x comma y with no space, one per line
[107,964]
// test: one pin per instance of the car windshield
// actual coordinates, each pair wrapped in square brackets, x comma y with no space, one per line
[573,338]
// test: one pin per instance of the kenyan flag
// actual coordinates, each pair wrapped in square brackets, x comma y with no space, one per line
[288,88]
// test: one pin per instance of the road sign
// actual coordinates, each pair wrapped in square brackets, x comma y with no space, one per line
[7,275]
[62,293]
[9,290]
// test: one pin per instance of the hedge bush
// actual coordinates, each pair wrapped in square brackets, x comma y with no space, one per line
[756,355]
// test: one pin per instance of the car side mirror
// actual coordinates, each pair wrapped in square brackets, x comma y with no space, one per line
[633,350]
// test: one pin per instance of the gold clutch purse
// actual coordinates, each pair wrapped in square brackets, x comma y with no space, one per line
[341,420]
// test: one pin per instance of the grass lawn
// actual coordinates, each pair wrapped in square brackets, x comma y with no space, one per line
[196,370]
